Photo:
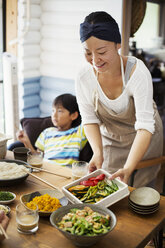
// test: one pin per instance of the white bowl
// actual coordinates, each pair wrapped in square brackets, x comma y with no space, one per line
[82,240]
[121,193]
[52,192]
[3,149]
[6,209]
[9,201]
[3,145]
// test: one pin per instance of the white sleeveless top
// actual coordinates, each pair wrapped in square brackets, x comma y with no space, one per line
[117,105]
[139,86]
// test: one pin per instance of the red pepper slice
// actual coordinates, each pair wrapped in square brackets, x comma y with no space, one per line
[100,177]
[92,178]
[95,182]
[87,183]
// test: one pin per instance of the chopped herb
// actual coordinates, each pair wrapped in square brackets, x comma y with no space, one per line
[5,196]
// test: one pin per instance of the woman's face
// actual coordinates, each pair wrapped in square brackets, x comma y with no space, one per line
[100,54]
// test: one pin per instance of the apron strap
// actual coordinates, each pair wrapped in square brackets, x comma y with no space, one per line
[95,99]
[122,71]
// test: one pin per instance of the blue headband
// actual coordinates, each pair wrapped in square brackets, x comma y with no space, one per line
[104,31]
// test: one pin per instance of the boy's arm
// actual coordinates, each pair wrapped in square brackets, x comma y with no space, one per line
[23,137]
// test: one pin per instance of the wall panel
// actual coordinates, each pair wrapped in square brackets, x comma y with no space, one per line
[29,37]
[51,50]
[61,50]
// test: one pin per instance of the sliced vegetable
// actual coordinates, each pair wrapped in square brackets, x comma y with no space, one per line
[94,189]
[87,183]
[96,181]
[81,187]
[92,178]
[100,177]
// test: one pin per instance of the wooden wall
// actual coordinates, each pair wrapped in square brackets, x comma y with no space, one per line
[11,25]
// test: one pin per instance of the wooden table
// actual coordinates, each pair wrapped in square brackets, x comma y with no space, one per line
[132,230]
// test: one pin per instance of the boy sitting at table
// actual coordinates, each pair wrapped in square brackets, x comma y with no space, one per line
[62,143]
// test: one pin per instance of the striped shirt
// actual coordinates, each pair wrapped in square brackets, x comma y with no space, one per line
[62,147]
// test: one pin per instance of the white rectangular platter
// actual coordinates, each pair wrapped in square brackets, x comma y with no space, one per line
[121,193]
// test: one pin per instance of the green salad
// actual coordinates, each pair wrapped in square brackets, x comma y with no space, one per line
[85,222]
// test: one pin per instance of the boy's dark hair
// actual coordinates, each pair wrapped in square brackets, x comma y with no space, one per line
[98,17]
[69,102]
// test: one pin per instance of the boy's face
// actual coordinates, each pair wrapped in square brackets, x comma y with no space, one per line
[61,118]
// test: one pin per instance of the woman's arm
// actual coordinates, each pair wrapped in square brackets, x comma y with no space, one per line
[138,149]
[93,135]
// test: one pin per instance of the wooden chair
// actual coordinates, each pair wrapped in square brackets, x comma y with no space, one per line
[149,162]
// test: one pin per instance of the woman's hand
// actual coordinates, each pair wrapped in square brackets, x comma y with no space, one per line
[138,149]
[4,220]
[122,174]
[95,163]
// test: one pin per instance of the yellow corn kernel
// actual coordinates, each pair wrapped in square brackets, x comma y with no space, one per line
[45,203]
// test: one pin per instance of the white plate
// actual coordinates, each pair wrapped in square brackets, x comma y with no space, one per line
[144,213]
[121,193]
[144,210]
[145,196]
[9,201]
[142,207]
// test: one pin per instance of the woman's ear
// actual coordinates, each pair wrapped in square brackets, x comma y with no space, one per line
[74,115]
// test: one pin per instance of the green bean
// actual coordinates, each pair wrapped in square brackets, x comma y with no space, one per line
[97,230]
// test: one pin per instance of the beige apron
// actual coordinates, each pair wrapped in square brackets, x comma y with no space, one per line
[118,134]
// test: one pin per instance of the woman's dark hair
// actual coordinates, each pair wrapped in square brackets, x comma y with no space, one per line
[98,17]
[69,102]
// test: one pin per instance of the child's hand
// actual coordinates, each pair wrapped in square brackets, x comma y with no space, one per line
[22,136]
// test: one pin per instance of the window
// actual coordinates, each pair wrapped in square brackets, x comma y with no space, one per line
[147,35]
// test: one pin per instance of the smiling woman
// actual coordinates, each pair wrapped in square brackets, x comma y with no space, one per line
[120,118]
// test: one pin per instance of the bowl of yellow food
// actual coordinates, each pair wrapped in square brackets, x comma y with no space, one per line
[47,200]
[83,224]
